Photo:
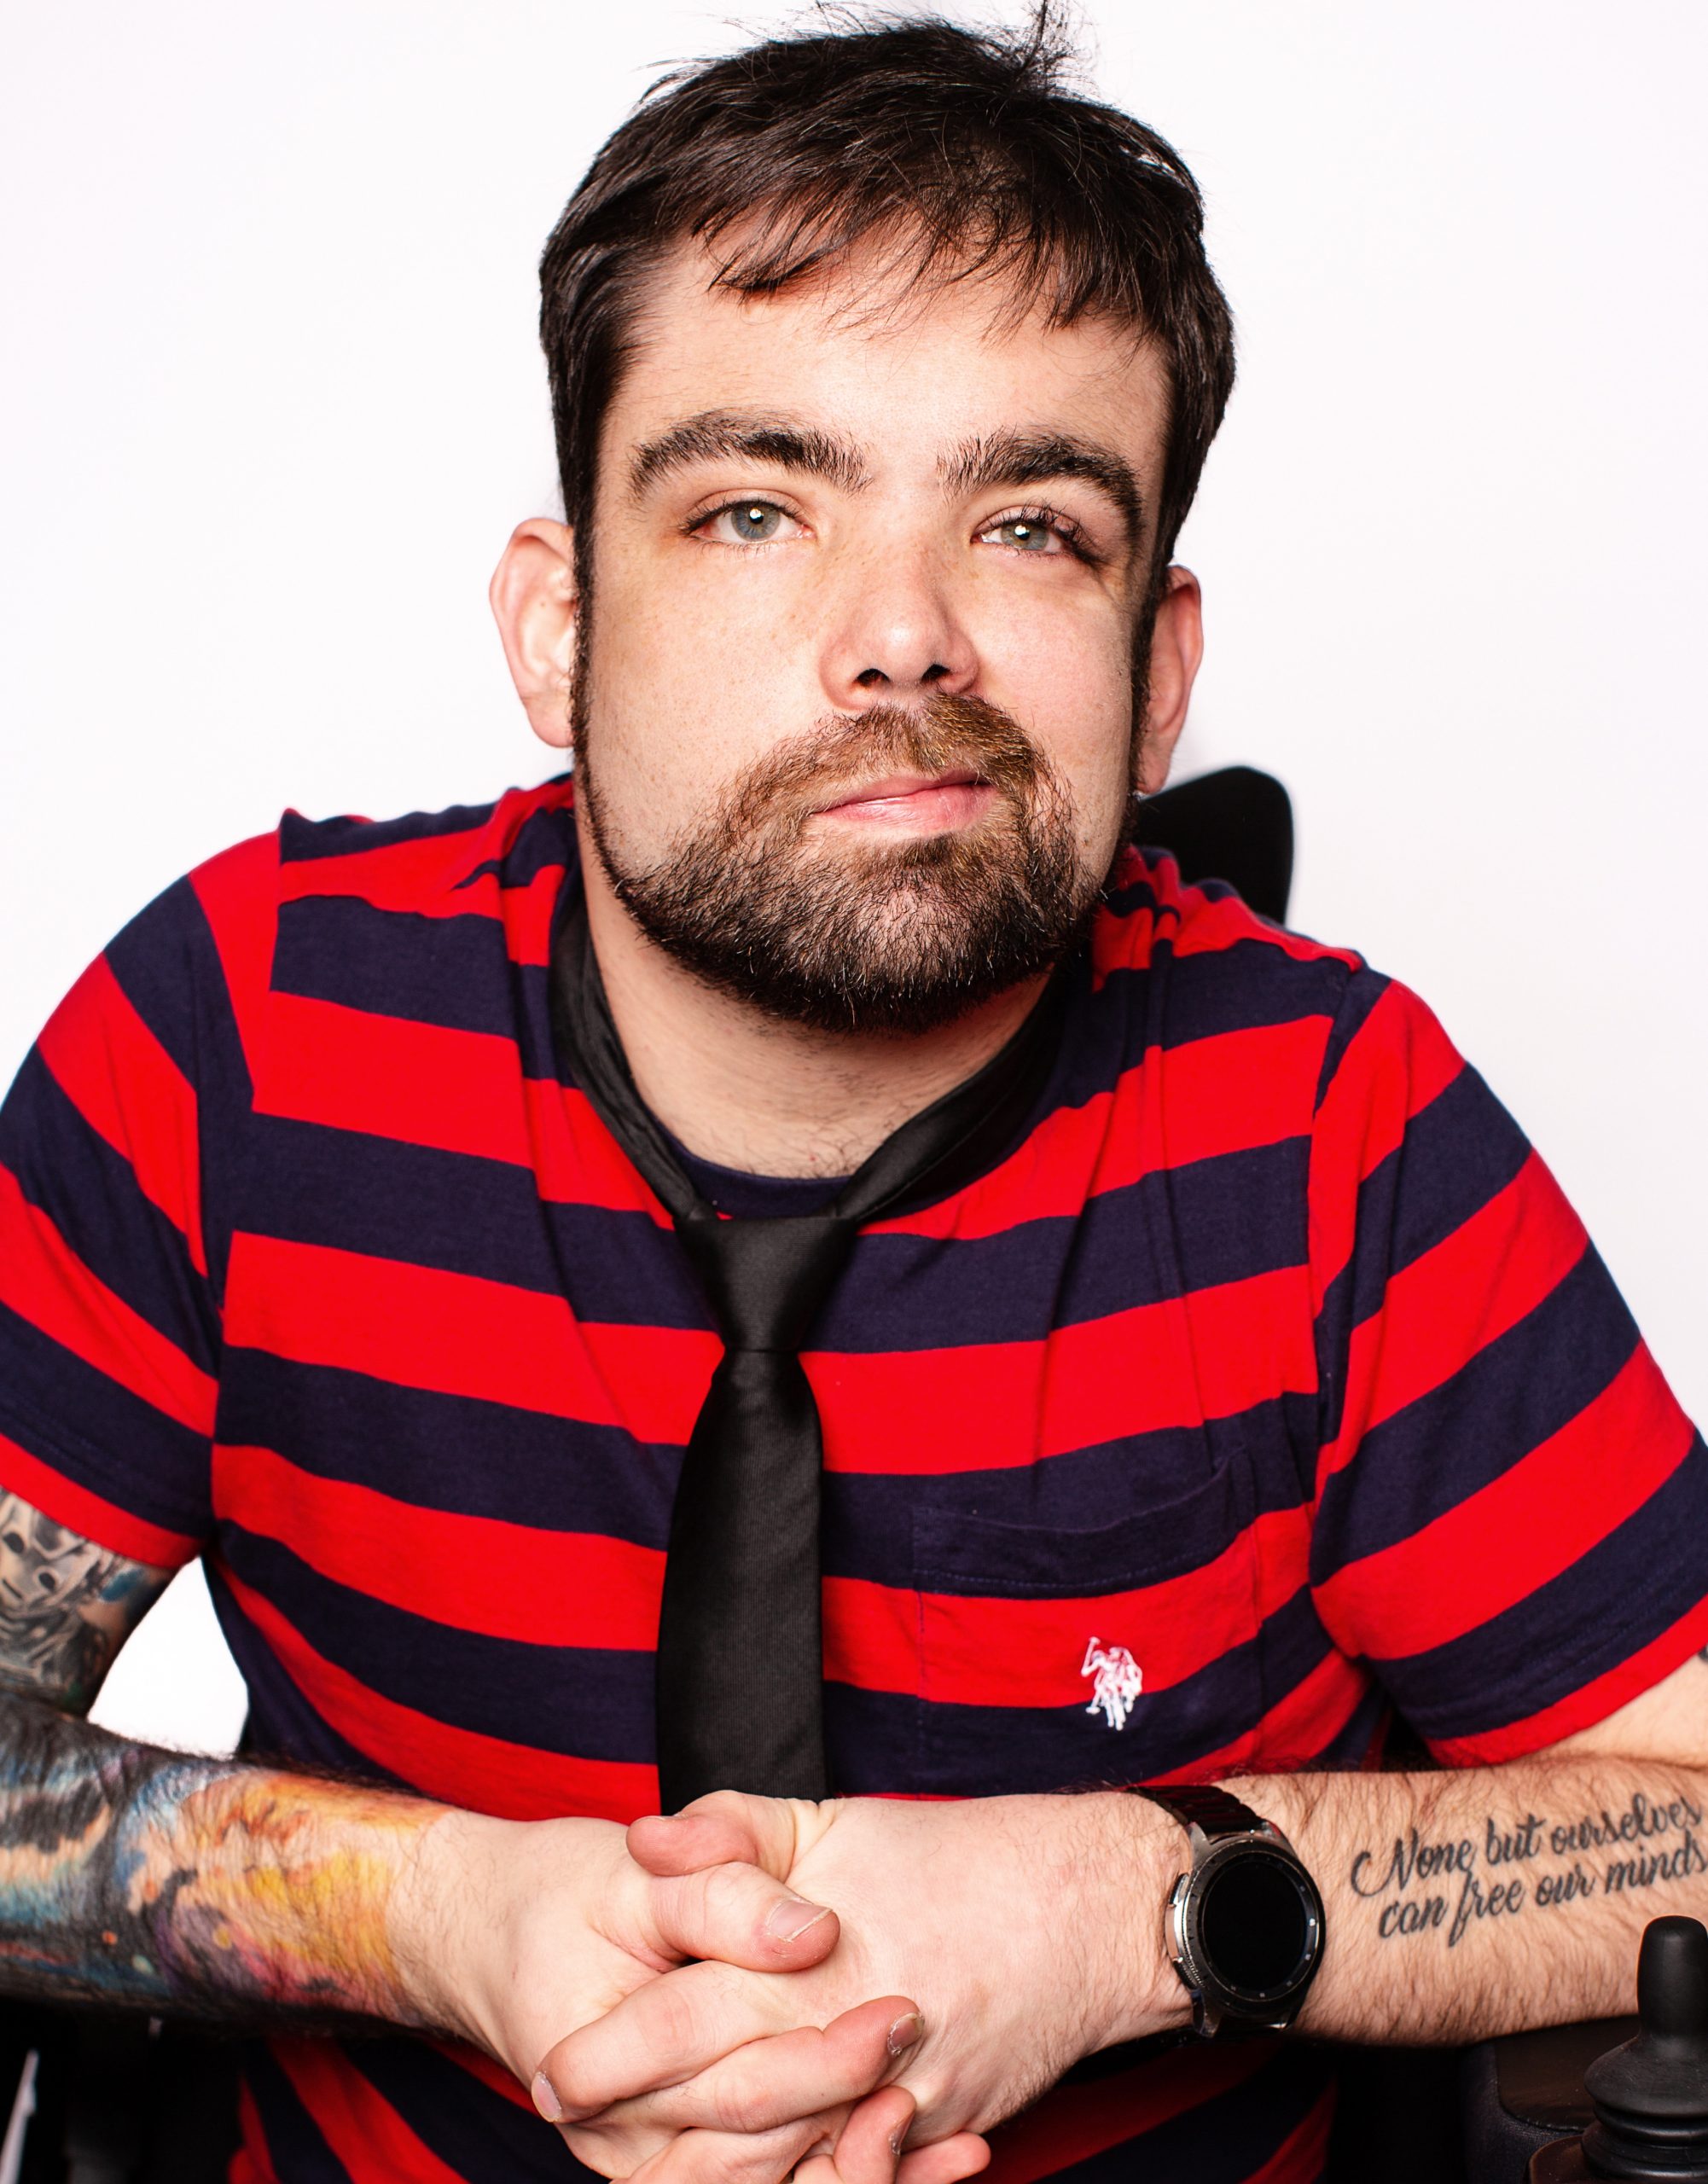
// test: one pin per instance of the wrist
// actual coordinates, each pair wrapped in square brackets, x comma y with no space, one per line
[441,1906]
[1139,1851]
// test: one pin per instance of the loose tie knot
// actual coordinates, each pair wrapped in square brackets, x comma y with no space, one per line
[767,1281]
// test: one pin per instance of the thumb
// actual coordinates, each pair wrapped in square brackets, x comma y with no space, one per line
[729,1827]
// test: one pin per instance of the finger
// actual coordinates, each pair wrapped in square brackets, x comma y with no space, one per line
[773,2081]
[717,1829]
[660,2034]
[738,2157]
[869,2150]
[739,1915]
[946,2161]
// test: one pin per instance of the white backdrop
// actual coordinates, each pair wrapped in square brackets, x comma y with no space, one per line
[270,402]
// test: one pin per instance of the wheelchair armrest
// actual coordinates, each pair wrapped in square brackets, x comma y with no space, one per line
[1519,2091]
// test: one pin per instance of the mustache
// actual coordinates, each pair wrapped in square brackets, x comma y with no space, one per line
[796,779]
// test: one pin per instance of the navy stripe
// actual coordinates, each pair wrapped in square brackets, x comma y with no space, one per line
[299,2153]
[455,1453]
[167,965]
[166,962]
[1001,1751]
[91,1428]
[473,2130]
[281,1726]
[1511,1396]
[545,841]
[1631,1586]
[1230,1219]
[466,1214]
[1364,988]
[582,1702]
[972,1558]
[89,1192]
[301,840]
[1458,1153]
[1237,1216]
[868,1516]
[454,972]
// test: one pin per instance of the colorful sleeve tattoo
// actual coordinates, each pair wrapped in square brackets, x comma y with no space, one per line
[177,1884]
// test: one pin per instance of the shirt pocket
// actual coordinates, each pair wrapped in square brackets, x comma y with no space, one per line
[1056,1659]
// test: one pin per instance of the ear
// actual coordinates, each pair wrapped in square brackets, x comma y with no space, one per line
[1176,648]
[535,604]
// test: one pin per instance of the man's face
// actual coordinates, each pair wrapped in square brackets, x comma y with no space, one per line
[856,694]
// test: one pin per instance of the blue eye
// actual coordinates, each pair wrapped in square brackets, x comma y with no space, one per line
[1025,534]
[754,521]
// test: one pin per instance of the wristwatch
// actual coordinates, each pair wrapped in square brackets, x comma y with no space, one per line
[1245,1926]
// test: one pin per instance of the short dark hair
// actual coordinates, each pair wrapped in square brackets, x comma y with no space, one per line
[962,144]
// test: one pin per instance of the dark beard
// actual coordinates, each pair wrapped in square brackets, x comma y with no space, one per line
[891,938]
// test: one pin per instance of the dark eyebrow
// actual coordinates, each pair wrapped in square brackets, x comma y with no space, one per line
[1030,458]
[716,434]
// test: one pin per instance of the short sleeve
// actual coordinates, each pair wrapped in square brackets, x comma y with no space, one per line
[1511,1520]
[110,1226]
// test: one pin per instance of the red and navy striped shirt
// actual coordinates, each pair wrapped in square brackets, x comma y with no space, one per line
[1272,1358]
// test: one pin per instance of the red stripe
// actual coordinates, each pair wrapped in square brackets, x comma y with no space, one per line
[363,2128]
[1518,1533]
[1075,2121]
[1454,1300]
[967,1650]
[1209,1355]
[238,891]
[459,1091]
[1190,923]
[43,1281]
[129,1091]
[88,1514]
[254,2163]
[481,1773]
[464,1335]
[426,873]
[1294,1731]
[1398,1062]
[492,2075]
[475,1573]
[1226,1094]
[1300,2157]
[1589,1704]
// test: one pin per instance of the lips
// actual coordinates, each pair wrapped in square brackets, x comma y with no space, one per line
[918,802]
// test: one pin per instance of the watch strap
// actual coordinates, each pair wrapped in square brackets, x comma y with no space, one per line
[1203,1806]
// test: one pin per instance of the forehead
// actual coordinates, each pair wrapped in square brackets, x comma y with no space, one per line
[907,369]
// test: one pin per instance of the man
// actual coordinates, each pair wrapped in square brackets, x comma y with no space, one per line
[473,1233]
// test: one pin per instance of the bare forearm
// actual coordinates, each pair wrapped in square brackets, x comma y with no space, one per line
[1466,1904]
[193,1886]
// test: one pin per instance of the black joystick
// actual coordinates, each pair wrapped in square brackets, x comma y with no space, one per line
[1651,2096]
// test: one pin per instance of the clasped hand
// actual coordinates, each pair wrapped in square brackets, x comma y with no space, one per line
[864,1977]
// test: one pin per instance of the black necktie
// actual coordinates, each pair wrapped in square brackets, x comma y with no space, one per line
[740,1649]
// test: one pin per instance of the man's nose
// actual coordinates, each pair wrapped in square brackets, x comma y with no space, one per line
[896,635]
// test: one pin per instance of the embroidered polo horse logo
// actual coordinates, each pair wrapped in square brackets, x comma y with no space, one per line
[1119,1682]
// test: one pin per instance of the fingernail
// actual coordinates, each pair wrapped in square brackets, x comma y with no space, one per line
[546,2099]
[788,1920]
[904,2032]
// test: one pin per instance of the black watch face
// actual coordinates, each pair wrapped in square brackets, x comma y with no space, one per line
[1259,1923]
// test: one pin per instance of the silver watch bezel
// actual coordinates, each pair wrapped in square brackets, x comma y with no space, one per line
[1216,2005]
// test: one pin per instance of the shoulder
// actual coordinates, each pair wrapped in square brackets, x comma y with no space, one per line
[424,860]
[1206,942]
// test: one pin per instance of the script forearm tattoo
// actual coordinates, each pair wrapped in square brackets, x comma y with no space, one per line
[65,1607]
[1528,1865]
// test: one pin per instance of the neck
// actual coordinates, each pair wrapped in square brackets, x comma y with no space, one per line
[738,1088]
